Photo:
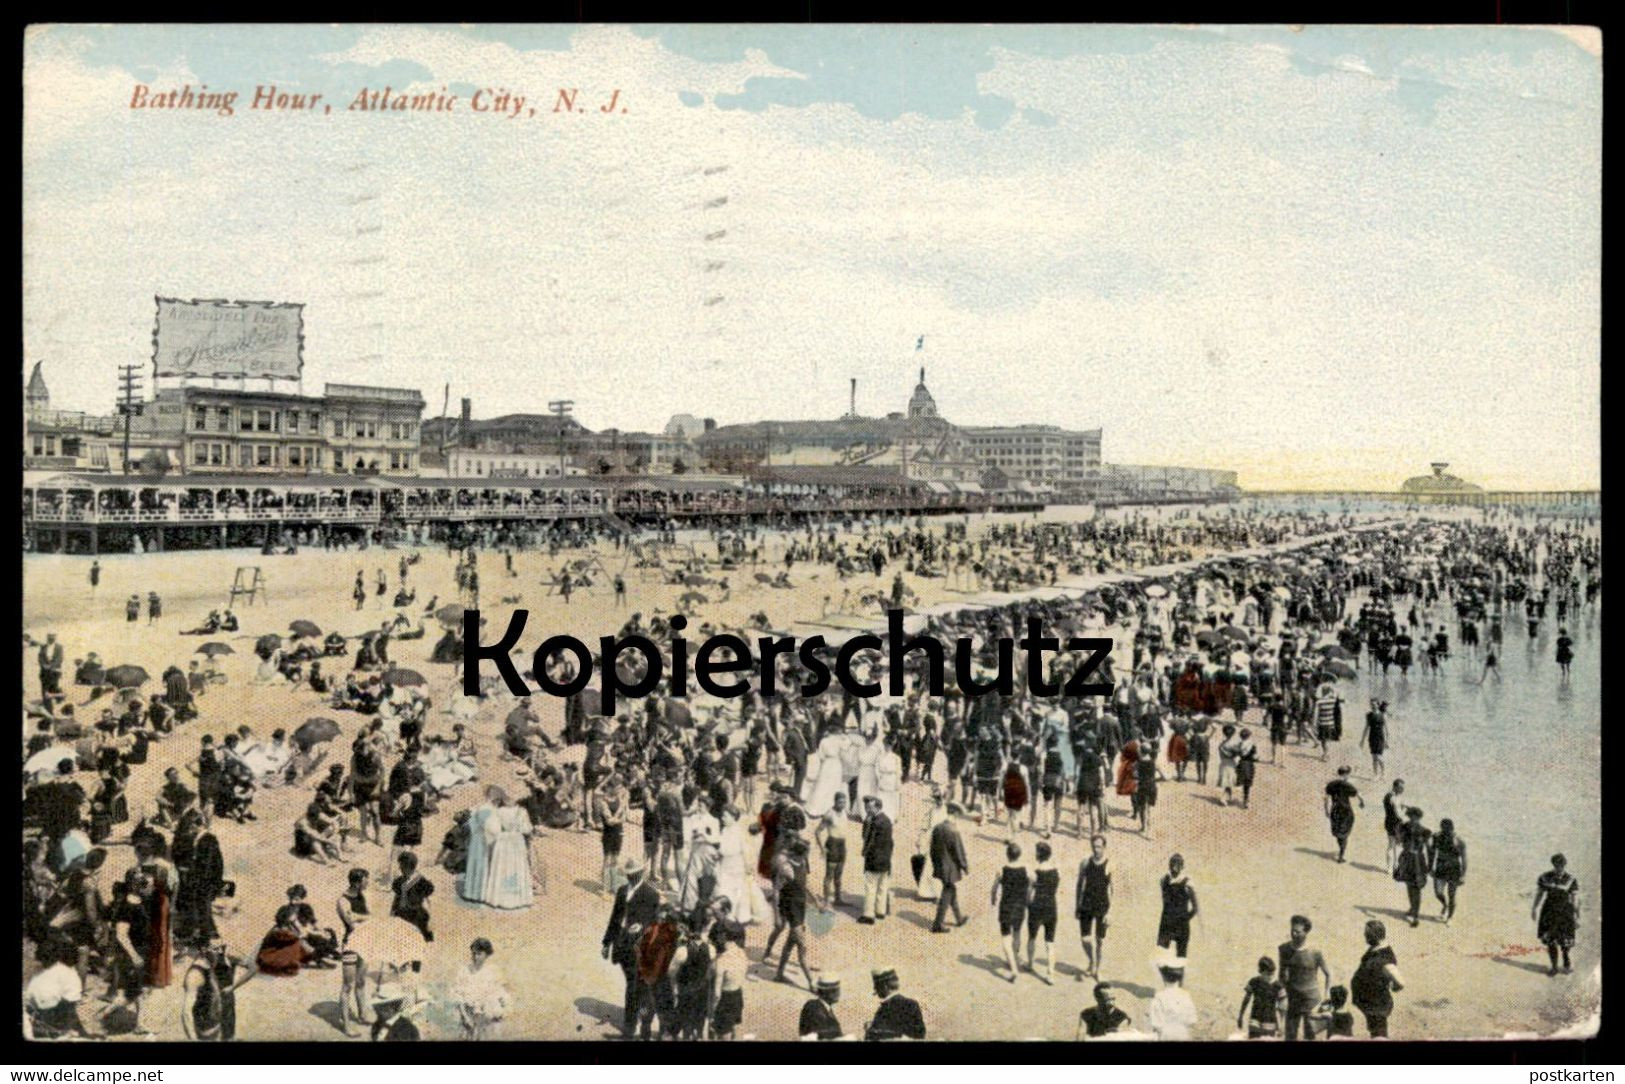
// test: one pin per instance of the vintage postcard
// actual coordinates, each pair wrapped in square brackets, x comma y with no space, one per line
[802,533]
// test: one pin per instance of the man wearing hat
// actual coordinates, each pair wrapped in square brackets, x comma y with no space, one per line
[818,1014]
[877,857]
[898,1017]
[949,864]
[637,904]
[392,1023]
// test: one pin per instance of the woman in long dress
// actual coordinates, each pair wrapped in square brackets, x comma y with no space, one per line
[829,778]
[880,773]
[508,880]
[472,886]
[735,882]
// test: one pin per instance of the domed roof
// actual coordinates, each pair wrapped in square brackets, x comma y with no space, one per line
[1438,482]
[920,404]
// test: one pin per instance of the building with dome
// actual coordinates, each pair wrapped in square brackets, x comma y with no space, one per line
[916,445]
[1441,488]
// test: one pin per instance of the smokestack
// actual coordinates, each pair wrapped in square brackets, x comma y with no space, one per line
[710,424]
[468,410]
[854,409]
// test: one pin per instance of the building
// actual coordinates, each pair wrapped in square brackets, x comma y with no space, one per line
[373,429]
[918,445]
[1043,456]
[243,431]
[482,463]
[523,438]
[75,440]
[510,432]
[199,429]
[1440,488]
[687,426]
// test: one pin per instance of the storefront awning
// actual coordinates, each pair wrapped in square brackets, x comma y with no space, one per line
[938,487]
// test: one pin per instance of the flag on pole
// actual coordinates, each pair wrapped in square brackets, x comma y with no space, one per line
[920,344]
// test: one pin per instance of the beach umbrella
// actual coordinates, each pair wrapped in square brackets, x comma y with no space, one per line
[386,940]
[403,678]
[267,644]
[1338,652]
[1338,668]
[304,628]
[450,614]
[1230,632]
[125,677]
[215,649]
[46,760]
[315,731]
[1156,590]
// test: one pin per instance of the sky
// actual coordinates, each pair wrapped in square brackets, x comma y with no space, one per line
[1322,257]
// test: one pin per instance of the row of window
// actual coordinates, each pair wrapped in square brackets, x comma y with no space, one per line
[294,421]
[296,456]
[256,455]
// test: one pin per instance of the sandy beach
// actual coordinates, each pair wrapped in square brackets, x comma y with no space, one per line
[1515,764]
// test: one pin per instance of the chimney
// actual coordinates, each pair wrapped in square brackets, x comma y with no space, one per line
[854,409]
[710,424]
[468,410]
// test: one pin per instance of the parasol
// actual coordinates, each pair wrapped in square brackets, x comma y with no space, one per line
[315,732]
[304,628]
[387,940]
[267,644]
[1156,590]
[46,760]
[214,649]
[1337,652]
[403,678]
[1338,668]
[450,614]
[125,677]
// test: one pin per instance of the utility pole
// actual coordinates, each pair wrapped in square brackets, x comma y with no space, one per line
[561,409]
[128,404]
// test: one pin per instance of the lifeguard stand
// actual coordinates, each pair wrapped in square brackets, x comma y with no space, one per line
[249,583]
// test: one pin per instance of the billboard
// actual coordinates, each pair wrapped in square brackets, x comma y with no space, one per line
[228,338]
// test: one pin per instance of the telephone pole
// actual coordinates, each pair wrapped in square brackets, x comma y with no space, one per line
[561,409]
[128,404]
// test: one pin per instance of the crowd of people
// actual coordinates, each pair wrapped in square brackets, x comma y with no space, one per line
[749,810]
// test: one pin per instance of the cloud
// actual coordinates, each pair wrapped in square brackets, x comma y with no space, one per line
[1178,237]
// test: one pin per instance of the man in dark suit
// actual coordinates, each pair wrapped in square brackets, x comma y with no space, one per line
[898,1017]
[877,853]
[50,666]
[637,904]
[412,891]
[948,865]
[818,1014]
[795,754]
